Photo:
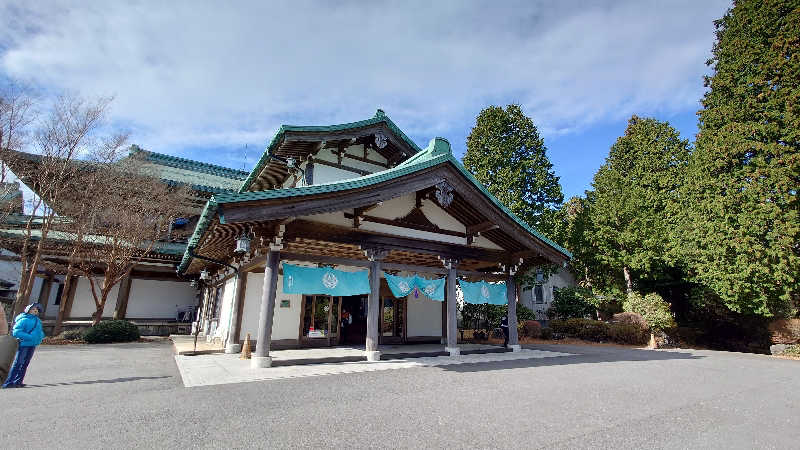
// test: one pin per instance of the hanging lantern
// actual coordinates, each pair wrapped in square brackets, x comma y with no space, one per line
[194,284]
[204,275]
[242,244]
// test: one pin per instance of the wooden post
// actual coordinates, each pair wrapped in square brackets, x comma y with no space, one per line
[44,294]
[511,295]
[233,346]
[124,293]
[373,303]
[267,312]
[67,298]
[452,307]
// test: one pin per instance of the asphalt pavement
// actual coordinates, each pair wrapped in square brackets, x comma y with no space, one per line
[131,396]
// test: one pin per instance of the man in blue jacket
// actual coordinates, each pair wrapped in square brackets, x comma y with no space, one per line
[28,330]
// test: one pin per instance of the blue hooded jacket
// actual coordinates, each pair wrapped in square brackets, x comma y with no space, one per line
[28,328]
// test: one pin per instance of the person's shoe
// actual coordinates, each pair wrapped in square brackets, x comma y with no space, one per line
[22,385]
[8,386]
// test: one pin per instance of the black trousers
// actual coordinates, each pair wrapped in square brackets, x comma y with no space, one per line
[505,334]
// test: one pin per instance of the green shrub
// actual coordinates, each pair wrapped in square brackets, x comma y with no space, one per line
[531,329]
[112,331]
[547,334]
[630,318]
[524,313]
[570,303]
[652,308]
[627,333]
[587,329]
[792,350]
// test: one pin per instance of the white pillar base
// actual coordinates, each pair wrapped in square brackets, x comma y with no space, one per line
[233,348]
[454,351]
[260,362]
[443,341]
[515,348]
[372,356]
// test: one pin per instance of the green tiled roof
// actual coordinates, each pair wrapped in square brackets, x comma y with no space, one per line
[379,117]
[163,248]
[189,164]
[198,175]
[437,152]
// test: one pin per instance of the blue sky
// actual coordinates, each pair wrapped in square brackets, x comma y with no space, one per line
[200,80]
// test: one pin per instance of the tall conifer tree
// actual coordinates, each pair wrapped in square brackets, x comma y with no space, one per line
[506,154]
[742,218]
[633,192]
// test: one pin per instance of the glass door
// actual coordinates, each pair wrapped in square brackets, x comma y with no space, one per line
[320,320]
[392,320]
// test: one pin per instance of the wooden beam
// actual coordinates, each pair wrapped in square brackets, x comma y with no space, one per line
[44,294]
[482,227]
[321,259]
[343,167]
[401,224]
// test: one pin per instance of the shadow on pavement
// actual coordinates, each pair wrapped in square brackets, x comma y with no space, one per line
[107,381]
[578,355]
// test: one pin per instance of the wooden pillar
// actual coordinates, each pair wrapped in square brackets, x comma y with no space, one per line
[452,307]
[67,298]
[511,295]
[241,289]
[375,257]
[267,312]
[44,294]
[124,293]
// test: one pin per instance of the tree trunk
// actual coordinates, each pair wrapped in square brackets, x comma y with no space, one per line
[628,281]
[98,315]
[62,307]
[652,344]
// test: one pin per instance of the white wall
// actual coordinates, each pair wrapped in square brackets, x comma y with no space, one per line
[156,299]
[424,317]
[562,278]
[83,305]
[286,322]
[228,292]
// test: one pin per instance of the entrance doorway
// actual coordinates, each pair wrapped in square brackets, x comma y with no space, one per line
[320,324]
[354,320]
[393,320]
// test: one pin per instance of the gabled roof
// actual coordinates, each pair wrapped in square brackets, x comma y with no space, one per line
[272,148]
[438,152]
[198,175]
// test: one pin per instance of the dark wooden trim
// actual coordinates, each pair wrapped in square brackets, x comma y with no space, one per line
[358,158]
[156,276]
[123,295]
[333,233]
[402,224]
[412,268]
[254,263]
[286,256]
[342,167]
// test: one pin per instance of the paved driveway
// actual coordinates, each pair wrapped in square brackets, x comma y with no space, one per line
[130,396]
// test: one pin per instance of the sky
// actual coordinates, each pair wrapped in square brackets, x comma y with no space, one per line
[213,81]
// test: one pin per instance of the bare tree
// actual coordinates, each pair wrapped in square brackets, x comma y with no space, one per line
[122,214]
[69,130]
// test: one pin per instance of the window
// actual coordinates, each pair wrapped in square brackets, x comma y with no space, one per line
[538,293]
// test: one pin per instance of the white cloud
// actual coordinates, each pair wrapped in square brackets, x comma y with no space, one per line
[200,74]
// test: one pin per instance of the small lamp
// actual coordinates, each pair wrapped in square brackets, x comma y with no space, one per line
[242,244]
[204,275]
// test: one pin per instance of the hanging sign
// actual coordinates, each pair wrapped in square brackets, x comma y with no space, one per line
[322,280]
[404,286]
[482,292]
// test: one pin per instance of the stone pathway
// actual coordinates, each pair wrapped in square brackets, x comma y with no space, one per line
[205,370]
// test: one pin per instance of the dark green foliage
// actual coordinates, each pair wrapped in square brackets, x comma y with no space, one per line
[571,303]
[73,335]
[652,308]
[488,317]
[597,331]
[741,225]
[629,225]
[547,334]
[506,154]
[112,331]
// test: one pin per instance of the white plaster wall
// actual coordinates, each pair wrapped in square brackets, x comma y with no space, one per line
[83,305]
[51,309]
[286,321]
[156,299]
[562,278]
[424,317]
[326,174]
[225,309]
[357,150]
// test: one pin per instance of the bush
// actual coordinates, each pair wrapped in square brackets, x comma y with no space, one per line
[627,333]
[479,335]
[531,329]
[652,308]
[112,331]
[588,329]
[792,350]
[570,303]
[547,334]
[630,318]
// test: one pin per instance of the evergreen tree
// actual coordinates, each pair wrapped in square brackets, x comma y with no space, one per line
[741,227]
[633,191]
[506,154]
